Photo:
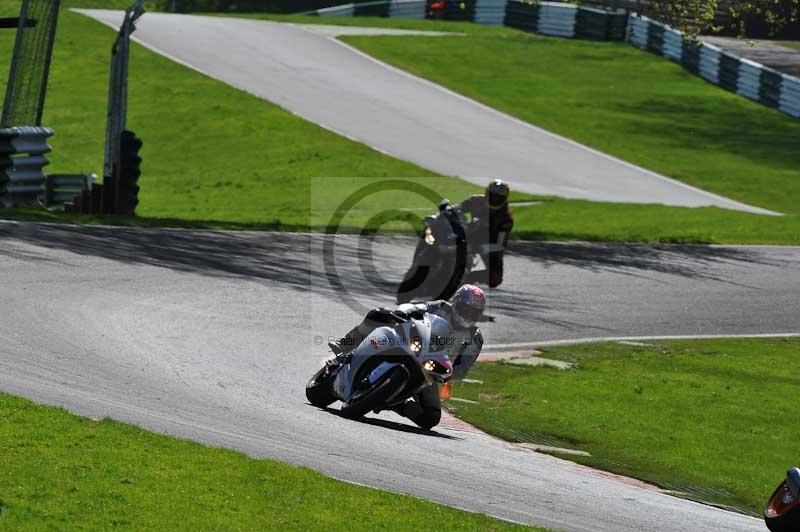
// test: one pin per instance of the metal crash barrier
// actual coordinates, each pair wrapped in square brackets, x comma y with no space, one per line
[22,162]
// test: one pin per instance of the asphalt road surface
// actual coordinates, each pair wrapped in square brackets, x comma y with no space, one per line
[212,336]
[312,74]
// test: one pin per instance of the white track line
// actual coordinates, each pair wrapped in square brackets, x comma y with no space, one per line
[604,339]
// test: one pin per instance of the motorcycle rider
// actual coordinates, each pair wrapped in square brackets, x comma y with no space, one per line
[464,343]
[495,222]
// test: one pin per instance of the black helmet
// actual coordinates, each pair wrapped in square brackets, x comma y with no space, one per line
[497,193]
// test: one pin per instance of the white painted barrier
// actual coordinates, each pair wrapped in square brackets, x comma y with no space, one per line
[490,12]
[557,19]
[345,10]
[673,45]
[413,9]
[709,63]
[638,31]
[790,96]
[749,84]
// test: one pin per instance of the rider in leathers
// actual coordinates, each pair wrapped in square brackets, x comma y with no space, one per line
[464,342]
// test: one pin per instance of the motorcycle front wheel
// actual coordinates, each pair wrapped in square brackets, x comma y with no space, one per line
[378,395]
[319,390]
[430,407]
[782,513]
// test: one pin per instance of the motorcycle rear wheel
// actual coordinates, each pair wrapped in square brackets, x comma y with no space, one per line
[319,390]
[378,396]
[780,515]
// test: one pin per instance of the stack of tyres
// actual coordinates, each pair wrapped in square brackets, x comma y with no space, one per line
[655,38]
[729,71]
[617,26]
[461,10]
[557,19]
[790,96]
[749,82]
[593,24]
[522,15]
[372,9]
[490,12]
[770,88]
[690,58]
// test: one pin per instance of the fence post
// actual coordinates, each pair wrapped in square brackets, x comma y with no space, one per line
[117,111]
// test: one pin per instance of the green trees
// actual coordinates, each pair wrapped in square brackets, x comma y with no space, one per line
[697,16]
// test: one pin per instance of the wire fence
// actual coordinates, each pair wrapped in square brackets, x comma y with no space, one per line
[30,64]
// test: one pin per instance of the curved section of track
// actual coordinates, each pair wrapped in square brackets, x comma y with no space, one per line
[211,336]
[327,82]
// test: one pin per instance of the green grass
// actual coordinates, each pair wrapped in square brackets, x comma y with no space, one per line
[789,44]
[622,101]
[705,414]
[218,157]
[631,104]
[212,154]
[63,472]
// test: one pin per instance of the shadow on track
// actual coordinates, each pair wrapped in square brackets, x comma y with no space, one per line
[296,260]
[391,425]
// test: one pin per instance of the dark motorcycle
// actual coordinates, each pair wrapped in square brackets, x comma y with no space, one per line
[444,256]
[782,513]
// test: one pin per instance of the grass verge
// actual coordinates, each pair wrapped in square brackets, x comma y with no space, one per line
[216,157]
[713,418]
[212,153]
[628,103]
[61,471]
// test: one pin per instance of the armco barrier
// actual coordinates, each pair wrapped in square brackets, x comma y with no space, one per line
[749,84]
[522,15]
[463,10]
[790,96]
[729,71]
[22,162]
[742,76]
[673,45]
[414,9]
[371,9]
[557,19]
[639,28]
[490,12]
[600,25]
[64,188]
[691,57]
[549,18]
[709,63]
[655,38]
[749,79]
[345,10]
[770,89]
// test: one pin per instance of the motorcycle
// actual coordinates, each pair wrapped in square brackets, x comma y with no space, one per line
[782,513]
[444,257]
[396,367]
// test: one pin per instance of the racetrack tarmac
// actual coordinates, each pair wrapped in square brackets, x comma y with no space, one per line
[212,336]
[320,78]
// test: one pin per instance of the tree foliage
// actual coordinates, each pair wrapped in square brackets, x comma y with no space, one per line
[697,16]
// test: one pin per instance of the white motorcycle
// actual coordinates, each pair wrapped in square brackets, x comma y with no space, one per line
[397,367]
